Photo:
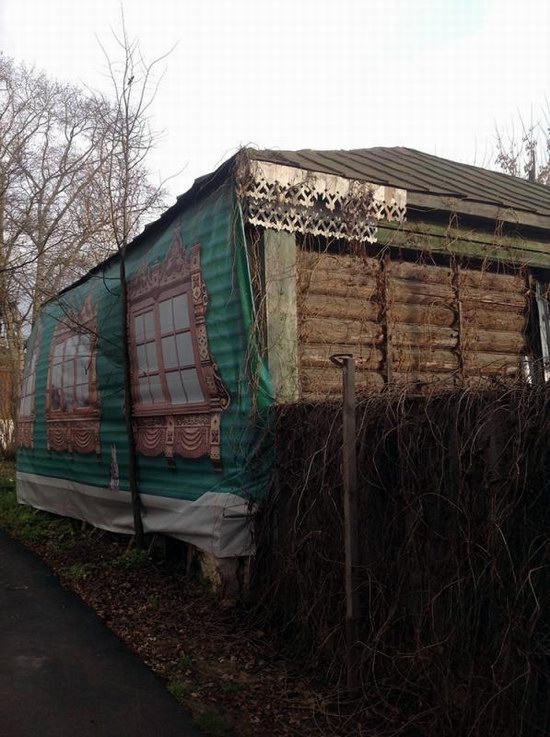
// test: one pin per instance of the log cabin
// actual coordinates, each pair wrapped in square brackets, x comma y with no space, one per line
[432,274]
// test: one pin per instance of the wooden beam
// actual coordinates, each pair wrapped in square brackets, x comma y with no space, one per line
[457,205]
[281,314]
[422,236]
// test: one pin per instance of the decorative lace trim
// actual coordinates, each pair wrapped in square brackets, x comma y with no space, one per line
[299,201]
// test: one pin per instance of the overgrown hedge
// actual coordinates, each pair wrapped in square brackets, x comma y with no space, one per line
[455,546]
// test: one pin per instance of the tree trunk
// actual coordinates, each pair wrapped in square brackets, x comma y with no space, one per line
[128,407]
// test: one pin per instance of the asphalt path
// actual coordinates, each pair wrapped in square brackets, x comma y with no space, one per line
[62,672]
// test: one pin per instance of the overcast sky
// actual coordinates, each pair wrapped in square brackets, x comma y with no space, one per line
[436,75]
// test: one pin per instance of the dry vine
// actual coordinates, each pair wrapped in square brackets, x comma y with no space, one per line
[455,544]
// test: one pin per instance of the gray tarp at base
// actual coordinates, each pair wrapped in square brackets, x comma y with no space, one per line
[218,523]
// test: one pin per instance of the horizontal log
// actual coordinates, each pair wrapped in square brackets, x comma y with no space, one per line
[420,297]
[313,305]
[493,341]
[483,380]
[331,330]
[421,272]
[339,276]
[423,336]
[493,320]
[429,381]
[335,262]
[516,300]
[414,286]
[490,281]
[491,362]
[318,356]
[330,289]
[319,382]
[323,281]
[423,360]
[440,315]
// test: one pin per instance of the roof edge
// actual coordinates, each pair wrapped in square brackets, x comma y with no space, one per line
[201,187]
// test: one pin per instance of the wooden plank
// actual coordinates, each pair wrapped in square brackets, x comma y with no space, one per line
[281,314]
[465,207]
[430,238]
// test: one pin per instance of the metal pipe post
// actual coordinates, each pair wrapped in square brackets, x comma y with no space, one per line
[351,517]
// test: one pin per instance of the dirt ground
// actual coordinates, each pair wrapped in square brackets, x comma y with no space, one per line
[234,677]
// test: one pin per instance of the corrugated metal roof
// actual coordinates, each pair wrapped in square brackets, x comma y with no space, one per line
[424,176]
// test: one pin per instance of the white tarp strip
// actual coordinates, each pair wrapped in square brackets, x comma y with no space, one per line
[217,523]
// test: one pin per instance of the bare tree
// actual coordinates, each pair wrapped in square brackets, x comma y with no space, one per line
[48,160]
[61,209]
[523,148]
[128,139]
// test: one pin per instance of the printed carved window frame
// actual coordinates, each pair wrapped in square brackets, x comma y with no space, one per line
[77,430]
[190,429]
[25,422]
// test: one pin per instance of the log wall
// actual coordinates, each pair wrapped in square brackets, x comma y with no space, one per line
[406,322]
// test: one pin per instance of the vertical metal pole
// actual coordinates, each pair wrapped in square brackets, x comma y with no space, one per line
[351,518]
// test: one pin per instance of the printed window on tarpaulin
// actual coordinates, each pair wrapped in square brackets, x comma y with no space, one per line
[71,374]
[72,403]
[25,421]
[177,392]
[165,354]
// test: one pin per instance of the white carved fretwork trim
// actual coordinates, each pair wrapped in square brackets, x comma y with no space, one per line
[298,201]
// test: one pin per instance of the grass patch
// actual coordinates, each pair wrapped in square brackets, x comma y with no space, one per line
[213,722]
[7,476]
[153,601]
[26,523]
[232,687]
[180,689]
[76,572]
[132,559]
[185,662]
